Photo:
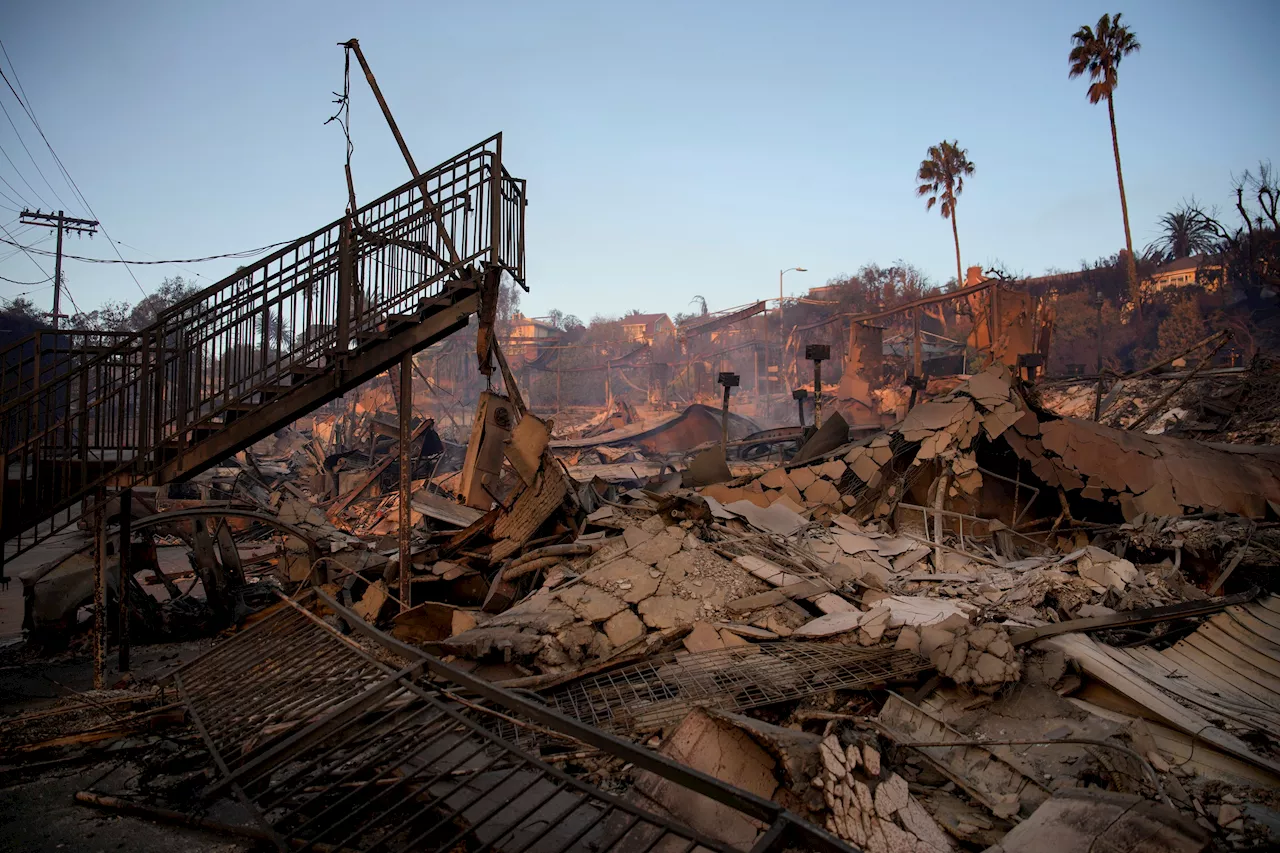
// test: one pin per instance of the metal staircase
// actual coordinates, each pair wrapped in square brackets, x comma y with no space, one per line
[81,412]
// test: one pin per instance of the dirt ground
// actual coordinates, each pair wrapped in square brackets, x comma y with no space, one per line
[38,812]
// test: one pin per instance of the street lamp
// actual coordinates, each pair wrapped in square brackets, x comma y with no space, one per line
[782,329]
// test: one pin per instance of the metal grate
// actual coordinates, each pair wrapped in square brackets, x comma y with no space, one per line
[651,695]
[330,749]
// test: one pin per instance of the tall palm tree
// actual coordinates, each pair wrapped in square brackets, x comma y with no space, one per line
[941,178]
[1098,51]
[1185,232]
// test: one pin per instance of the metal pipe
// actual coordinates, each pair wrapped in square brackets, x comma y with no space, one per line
[724,421]
[817,394]
[116,804]
[1097,399]
[406,510]
[124,554]
[99,589]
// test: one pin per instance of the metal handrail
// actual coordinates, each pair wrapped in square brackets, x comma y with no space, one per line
[286,320]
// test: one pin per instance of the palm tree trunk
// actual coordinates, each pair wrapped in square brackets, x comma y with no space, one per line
[1131,267]
[955,235]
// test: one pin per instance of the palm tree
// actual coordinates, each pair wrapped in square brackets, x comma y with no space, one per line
[1186,231]
[941,178]
[1098,52]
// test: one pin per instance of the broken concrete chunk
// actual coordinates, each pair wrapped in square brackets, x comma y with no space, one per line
[775,478]
[623,627]
[590,603]
[703,638]
[871,761]
[677,566]
[802,478]
[908,640]
[654,524]
[720,749]
[770,573]
[655,549]
[667,611]
[903,562]
[832,470]
[833,756]
[829,625]
[821,492]
[746,631]
[854,543]
[891,796]
[627,578]
[830,602]
[634,536]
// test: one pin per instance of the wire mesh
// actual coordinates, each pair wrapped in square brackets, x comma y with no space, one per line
[653,694]
[330,749]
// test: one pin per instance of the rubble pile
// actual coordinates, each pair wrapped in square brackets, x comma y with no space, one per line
[983,618]
[871,805]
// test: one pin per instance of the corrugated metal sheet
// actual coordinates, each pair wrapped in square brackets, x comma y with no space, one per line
[1217,684]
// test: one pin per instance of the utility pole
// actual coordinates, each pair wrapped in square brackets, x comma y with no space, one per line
[62,223]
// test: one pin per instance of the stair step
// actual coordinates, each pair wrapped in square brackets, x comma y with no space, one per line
[307,370]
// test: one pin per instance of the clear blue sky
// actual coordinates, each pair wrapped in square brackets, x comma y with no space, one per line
[671,148]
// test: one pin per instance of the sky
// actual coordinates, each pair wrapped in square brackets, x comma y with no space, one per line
[672,149]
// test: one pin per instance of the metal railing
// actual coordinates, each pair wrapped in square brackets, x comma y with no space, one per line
[331,748]
[78,417]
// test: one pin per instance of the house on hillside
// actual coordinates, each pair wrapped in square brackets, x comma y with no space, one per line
[826,293]
[648,328]
[528,334]
[1185,272]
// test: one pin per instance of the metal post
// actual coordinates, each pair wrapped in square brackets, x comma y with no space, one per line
[124,554]
[724,421]
[817,353]
[799,396]
[99,589]
[917,357]
[345,275]
[1097,400]
[406,510]
[817,394]
[728,380]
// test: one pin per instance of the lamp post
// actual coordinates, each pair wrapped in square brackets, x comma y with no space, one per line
[782,329]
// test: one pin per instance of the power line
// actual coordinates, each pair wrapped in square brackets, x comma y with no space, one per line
[25,283]
[25,250]
[196,273]
[13,252]
[5,110]
[65,174]
[21,198]
[245,253]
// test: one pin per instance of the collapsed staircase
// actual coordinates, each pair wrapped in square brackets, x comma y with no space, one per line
[86,412]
